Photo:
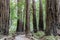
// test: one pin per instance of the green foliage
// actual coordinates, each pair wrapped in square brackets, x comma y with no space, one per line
[12,10]
[50,38]
[13,16]
[39,34]
[13,13]
[21,5]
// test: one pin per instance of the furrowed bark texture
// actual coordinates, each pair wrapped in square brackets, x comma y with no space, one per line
[4,16]
[27,28]
[51,17]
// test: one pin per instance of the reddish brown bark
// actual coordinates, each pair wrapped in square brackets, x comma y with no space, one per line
[27,28]
[4,16]
[51,17]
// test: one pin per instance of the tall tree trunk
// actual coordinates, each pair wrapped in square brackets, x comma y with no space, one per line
[58,16]
[27,28]
[51,17]
[58,7]
[34,16]
[20,24]
[4,16]
[41,28]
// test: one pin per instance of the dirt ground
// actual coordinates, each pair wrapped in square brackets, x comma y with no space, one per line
[23,37]
[19,37]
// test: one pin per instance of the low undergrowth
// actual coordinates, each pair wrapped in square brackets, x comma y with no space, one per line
[41,36]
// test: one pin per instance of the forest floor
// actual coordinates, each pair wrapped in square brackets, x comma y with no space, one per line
[36,36]
[23,37]
[18,37]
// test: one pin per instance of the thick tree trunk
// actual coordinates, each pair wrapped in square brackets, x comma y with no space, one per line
[27,28]
[41,28]
[34,16]
[4,16]
[51,17]
[20,24]
[58,7]
[58,12]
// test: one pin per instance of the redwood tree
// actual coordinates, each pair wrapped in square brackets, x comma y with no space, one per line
[34,16]
[58,7]
[4,16]
[41,28]
[27,28]
[51,17]
[58,16]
